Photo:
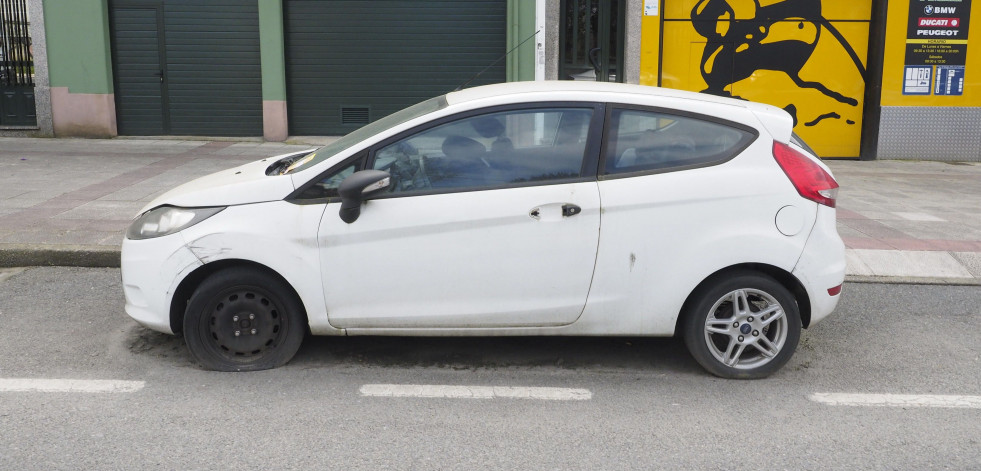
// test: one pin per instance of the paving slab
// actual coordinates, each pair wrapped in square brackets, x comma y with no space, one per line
[854,265]
[971,261]
[896,263]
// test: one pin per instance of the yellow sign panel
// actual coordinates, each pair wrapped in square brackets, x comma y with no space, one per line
[927,60]
[805,56]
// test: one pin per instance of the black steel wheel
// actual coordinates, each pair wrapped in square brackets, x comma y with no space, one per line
[742,325]
[241,319]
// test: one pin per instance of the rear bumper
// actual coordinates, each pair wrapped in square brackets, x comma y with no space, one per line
[821,266]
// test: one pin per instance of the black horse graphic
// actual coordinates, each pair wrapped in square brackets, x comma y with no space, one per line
[736,49]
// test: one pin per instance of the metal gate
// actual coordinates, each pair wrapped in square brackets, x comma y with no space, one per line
[591,40]
[16,66]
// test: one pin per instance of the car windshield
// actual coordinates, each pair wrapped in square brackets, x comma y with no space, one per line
[360,134]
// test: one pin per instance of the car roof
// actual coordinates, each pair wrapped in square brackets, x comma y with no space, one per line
[565,86]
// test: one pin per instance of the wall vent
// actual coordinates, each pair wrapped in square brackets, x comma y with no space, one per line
[354,115]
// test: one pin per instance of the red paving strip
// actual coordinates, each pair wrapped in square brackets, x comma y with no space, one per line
[27,154]
[877,174]
[883,237]
[915,244]
[847,214]
[957,245]
[874,229]
[146,155]
[864,243]
[33,215]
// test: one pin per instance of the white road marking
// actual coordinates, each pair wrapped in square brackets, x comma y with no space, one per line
[475,392]
[70,385]
[898,400]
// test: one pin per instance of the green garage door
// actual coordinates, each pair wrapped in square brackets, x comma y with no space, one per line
[349,62]
[187,67]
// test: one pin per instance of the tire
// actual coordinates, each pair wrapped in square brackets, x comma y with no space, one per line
[751,342]
[240,319]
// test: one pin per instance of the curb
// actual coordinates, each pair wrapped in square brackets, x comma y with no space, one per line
[28,255]
[913,280]
[108,256]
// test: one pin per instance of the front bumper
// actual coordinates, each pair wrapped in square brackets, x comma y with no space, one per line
[151,271]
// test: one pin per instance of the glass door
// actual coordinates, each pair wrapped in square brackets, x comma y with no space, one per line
[591,40]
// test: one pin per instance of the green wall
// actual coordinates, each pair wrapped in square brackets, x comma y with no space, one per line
[272,49]
[521,25]
[77,34]
[79,53]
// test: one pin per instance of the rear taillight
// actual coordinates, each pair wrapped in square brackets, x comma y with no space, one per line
[811,181]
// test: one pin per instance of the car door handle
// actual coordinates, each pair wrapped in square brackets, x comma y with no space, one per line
[554,211]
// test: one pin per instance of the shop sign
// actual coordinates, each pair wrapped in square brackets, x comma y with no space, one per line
[936,47]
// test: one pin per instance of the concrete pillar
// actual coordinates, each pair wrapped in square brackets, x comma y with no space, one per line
[553,16]
[42,82]
[631,40]
[272,49]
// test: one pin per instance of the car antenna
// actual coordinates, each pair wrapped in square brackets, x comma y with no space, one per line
[464,84]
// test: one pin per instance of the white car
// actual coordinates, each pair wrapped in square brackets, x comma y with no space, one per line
[535,208]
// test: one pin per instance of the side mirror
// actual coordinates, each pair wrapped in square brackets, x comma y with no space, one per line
[359,187]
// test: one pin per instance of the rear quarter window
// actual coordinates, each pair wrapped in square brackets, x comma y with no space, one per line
[650,141]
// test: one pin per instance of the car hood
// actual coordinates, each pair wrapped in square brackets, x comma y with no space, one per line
[244,184]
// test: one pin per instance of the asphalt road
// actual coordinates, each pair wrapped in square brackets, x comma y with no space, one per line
[649,405]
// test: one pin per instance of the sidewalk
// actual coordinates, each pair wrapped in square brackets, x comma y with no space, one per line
[68,202]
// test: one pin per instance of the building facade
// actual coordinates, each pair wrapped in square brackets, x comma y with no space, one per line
[862,79]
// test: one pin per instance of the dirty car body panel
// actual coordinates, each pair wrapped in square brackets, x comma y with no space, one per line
[514,209]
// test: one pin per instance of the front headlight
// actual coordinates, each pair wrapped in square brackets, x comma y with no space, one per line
[167,220]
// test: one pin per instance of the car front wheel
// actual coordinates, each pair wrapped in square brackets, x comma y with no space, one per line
[241,319]
[745,325]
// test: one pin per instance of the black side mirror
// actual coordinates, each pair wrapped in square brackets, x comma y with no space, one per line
[359,187]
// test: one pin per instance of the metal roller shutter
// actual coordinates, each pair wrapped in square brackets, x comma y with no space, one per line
[213,67]
[208,54]
[137,61]
[349,62]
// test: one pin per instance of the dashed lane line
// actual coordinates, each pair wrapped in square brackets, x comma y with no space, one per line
[69,385]
[475,392]
[898,400]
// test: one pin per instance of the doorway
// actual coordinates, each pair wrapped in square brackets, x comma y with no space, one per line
[16,67]
[591,40]
[185,67]
[350,63]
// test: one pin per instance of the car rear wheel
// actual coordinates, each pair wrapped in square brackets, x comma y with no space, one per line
[240,319]
[743,325]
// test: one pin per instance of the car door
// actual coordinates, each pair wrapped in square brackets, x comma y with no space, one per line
[684,195]
[491,220]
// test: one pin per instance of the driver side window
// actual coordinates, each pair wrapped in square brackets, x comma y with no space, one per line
[490,151]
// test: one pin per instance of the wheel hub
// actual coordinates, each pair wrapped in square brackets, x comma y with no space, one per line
[244,324]
[739,330]
[245,320]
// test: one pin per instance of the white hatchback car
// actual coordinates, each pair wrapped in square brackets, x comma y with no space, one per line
[535,208]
